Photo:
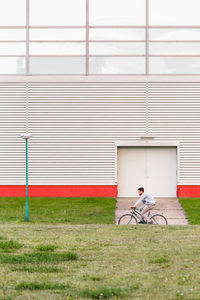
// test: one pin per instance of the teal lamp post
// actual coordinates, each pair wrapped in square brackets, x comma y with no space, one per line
[26,137]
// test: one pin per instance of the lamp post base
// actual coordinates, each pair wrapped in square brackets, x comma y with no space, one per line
[27,212]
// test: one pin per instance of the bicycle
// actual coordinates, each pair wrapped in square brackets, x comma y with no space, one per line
[135,217]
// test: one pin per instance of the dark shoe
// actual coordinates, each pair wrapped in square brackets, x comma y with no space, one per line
[150,222]
[142,222]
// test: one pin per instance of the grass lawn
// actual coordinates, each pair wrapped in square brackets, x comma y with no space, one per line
[191,207]
[66,262]
[59,210]
[71,249]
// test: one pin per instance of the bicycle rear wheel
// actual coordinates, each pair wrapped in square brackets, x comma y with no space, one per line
[159,220]
[127,219]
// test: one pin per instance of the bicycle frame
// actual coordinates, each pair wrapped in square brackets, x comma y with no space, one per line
[138,215]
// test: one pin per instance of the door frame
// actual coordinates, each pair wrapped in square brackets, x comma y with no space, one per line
[124,144]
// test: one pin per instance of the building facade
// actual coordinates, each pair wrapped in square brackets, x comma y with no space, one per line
[109,90]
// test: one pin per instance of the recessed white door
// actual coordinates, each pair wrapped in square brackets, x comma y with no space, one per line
[154,168]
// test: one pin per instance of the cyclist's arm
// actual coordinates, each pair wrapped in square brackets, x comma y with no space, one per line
[139,200]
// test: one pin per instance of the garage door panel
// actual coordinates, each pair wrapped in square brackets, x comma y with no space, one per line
[131,170]
[161,166]
[154,168]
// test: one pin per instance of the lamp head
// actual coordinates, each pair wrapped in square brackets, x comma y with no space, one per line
[25,136]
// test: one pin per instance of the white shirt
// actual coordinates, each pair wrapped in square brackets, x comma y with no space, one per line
[146,199]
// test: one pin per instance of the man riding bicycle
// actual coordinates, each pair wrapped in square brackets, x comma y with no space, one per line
[148,204]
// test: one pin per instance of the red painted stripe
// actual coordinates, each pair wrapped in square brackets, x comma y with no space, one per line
[59,191]
[187,191]
[183,191]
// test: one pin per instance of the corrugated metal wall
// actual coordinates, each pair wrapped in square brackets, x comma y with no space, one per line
[12,123]
[75,127]
[174,114]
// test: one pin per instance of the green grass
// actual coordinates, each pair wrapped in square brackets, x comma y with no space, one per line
[37,257]
[159,260]
[8,245]
[35,269]
[110,262]
[41,286]
[95,293]
[191,207]
[45,247]
[59,210]
[71,250]
[103,293]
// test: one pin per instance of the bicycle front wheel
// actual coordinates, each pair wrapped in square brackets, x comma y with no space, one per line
[127,219]
[159,220]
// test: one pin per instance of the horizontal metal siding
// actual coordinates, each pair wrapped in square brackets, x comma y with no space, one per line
[174,114]
[75,127]
[12,123]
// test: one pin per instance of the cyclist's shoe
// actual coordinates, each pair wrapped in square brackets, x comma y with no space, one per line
[150,222]
[142,222]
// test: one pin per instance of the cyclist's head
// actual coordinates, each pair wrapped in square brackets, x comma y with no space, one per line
[140,191]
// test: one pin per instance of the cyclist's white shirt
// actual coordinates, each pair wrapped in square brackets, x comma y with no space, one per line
[146,199]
